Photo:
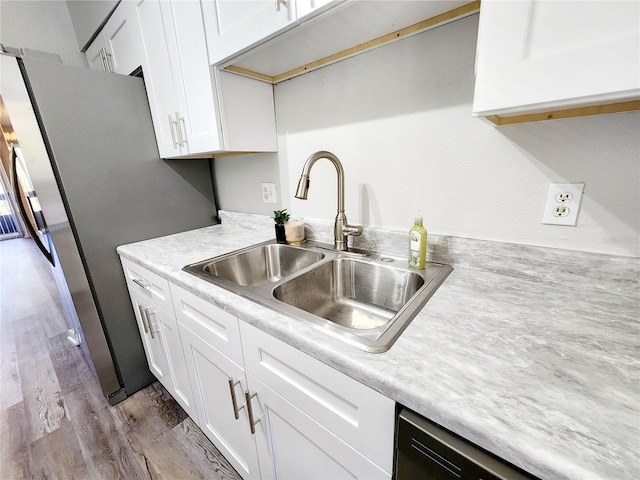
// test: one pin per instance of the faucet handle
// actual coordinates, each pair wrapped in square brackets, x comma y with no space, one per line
[354,230]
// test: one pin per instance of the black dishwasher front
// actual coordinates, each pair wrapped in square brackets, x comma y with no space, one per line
[425,451]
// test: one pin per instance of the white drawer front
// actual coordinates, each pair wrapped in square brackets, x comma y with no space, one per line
[360,416]
[152,286]
[212,324]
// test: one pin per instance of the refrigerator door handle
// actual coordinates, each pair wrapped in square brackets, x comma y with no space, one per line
[23,211]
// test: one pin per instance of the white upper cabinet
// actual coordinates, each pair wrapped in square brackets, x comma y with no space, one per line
[197,110]
[158,76]
[118,47]
[538,55]
[236,25]
[96,55]
[327,31]
[308,8]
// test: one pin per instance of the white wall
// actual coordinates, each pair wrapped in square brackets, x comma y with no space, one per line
[40,25]
[88,16]
[238,180]
[399,118]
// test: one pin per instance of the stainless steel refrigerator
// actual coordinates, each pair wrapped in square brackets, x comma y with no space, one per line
[88,144]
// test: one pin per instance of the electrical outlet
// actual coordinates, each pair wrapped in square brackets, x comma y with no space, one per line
[269,193]
[564,197]
[561,211]
[563,204]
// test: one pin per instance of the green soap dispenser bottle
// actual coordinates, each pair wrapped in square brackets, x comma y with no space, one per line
[417,245]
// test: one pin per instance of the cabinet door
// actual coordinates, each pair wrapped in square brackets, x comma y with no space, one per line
[291,445]
[544,55]
[216,380]
[172,344]
[234,26]
[150,319]
[353,412]
[95,54]
[159,80]
[122,39]
[151,298]
[187,44]
[306,9]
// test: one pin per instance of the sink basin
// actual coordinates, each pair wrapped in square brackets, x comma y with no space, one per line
[363,298]
[261,264]
[351,293]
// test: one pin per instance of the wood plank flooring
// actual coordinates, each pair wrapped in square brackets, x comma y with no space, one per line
[54,421]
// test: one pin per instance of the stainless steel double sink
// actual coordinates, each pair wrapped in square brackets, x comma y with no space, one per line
[364,298]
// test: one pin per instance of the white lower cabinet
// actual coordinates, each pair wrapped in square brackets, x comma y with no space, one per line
[307,410]
[151,300]
[273,411]
[292,445]
[150,320]
[211,339]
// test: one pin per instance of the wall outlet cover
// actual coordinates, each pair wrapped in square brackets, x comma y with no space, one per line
[563,204]
[269,193]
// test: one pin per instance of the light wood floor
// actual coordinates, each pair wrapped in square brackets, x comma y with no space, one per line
[54,420]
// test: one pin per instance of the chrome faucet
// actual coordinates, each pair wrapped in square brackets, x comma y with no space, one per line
[341,228]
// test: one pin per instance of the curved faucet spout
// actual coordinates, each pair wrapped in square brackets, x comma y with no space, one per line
[341,228]
[303,184]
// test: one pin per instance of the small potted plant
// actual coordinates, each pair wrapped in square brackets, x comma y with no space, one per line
[280,217]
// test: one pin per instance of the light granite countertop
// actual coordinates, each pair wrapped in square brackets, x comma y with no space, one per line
[531,353]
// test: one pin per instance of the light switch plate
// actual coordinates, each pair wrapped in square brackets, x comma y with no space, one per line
[563,204]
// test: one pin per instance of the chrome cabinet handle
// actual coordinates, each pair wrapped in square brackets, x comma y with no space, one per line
[107,59]
[146,310]
[234,401]
[278,2]
[142,283]
[146,320]
[252,422]
[143,318]
[182,130]
[103,59]
[173,135]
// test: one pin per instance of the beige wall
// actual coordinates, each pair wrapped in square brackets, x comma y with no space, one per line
[399,117]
